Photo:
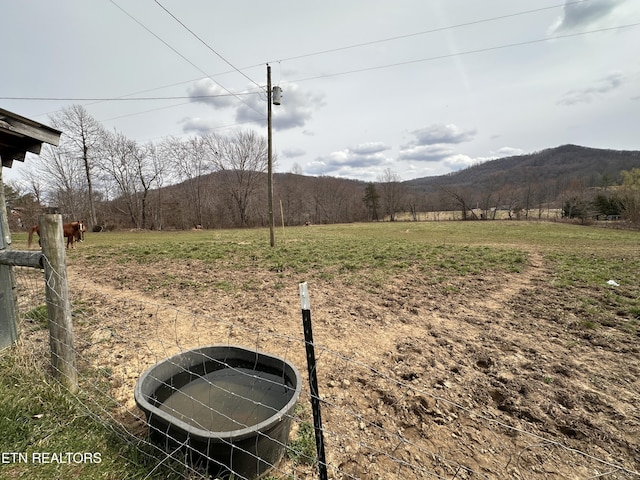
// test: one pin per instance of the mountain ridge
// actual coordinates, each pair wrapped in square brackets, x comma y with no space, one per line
[565,162]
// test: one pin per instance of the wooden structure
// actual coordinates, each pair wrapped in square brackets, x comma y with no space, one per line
[18,135]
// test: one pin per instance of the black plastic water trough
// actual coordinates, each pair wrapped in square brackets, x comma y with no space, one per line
[228,408]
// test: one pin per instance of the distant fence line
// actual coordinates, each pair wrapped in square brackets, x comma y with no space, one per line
[480,214]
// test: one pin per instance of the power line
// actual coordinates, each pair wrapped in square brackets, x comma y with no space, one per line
[156,36]
[239,70]
[93,102]
[126,115]
[373,42]
[318,53]
[468,52]
[126,99]
[347,47]
[425,32]
[348,72]
[183,57]
[206,44]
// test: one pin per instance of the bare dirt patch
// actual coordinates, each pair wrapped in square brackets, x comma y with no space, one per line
[478,376]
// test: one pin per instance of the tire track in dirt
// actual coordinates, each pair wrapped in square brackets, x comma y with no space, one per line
[124,332]
[512,285]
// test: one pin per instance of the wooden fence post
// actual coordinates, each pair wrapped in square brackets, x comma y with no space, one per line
[63,358]
[8,315]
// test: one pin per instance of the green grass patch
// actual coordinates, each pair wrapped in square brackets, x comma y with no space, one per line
[302,448]
[353,253]
[582,259]
[48,434]
[586,275]
[223,285]
[38,315]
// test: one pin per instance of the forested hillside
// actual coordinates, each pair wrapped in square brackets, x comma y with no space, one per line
[542,180]
[564,164]
[214,181]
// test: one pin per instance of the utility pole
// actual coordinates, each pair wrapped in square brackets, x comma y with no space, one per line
[270,161]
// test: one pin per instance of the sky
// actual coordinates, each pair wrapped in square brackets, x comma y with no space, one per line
[414,88]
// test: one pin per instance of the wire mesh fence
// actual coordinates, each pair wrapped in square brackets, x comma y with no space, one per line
[381,418]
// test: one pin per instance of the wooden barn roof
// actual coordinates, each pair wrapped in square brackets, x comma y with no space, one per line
[19,135]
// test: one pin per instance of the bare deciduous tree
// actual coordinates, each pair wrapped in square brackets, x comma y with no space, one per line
[631,194]
[57,179]
[150,167]
[119,164]
[192,160]
[491,197]
[461,202]
[332,200]
[81,137]
[155,169]
[393,193]
[241,160]
[293,193]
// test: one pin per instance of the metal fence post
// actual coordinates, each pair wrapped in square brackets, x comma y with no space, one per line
[313,379]
[63,358]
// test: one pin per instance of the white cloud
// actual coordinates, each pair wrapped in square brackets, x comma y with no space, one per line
[210,93]
[438,154]
[588,94]
[506,152]
[369,148]
[592,13]
[297,107]
[434,143]
[362,157]
[296,110]
[252,109]
[426,153]
[197,125]
[293,152]
[441,133]
[459,161]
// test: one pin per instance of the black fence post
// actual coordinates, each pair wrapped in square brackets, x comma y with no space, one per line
[313,379]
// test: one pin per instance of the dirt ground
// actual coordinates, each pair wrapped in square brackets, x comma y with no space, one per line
[476,378]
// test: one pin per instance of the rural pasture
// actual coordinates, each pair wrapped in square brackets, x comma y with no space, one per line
[501,349]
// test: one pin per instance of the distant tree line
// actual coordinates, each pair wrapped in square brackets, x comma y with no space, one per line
[211,181]
[610,203]
[219,181]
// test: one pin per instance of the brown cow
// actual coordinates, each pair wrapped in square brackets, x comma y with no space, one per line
[72,231]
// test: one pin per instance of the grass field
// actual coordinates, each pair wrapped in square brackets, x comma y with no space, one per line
[551,276]
[366,254]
